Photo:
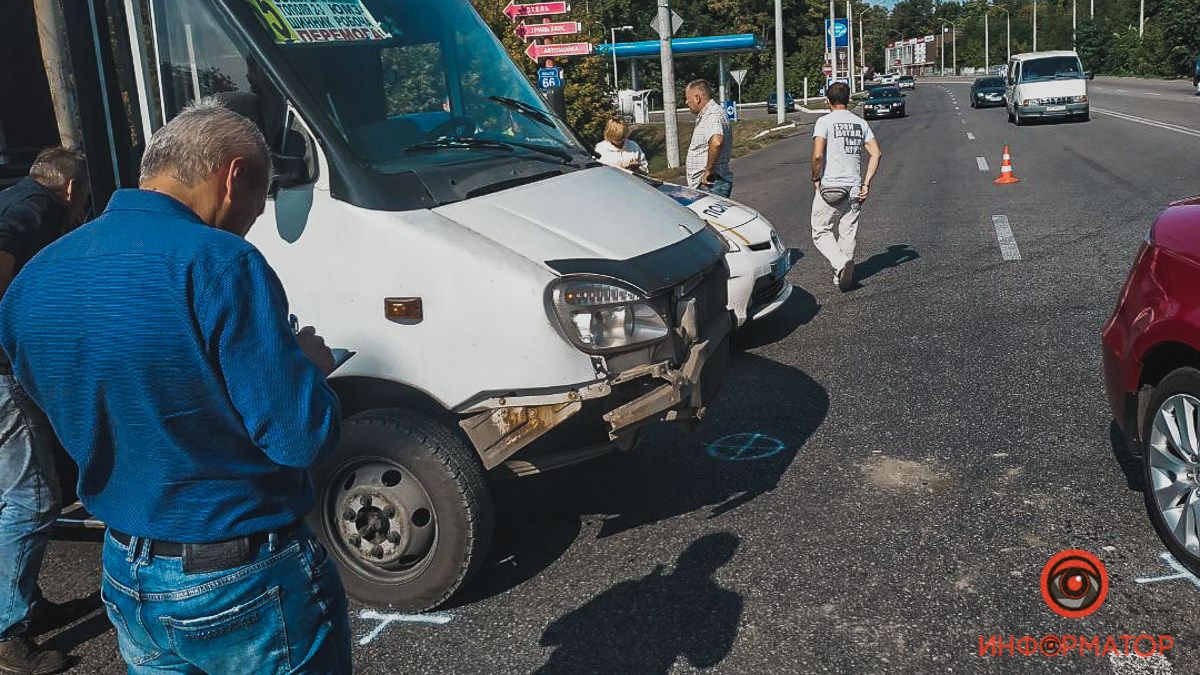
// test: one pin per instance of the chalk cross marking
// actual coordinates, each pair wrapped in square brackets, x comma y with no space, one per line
[745,447]
[1181,572]
[385,620]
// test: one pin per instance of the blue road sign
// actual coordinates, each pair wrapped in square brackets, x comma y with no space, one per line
[731,111]
[548,78]
[841,32]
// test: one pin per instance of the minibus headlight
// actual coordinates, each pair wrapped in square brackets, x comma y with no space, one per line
[604,316]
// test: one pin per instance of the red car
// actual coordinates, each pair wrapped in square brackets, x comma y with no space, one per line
[1152,374]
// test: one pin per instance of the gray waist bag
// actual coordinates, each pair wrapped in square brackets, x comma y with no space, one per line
[835,195]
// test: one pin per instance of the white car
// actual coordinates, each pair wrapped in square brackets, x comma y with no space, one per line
[890,78]
[1044,85]
[758,261]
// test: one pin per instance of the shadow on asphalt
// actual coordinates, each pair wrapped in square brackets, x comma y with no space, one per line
[799,309]
[1131,464]
[670,474]
[644,625]
[894,256]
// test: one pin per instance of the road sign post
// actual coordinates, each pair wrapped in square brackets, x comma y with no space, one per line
[738,76]
[549,78]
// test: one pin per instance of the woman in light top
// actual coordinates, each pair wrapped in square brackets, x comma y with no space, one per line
[617,150]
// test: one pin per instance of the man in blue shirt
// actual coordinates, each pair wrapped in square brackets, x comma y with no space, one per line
[33,213]
[158,342]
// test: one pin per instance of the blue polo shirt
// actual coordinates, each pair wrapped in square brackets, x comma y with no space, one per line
[162,353]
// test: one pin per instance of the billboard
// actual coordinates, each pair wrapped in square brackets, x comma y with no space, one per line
[841,32]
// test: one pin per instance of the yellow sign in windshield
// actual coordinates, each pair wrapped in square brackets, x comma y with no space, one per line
[310,21]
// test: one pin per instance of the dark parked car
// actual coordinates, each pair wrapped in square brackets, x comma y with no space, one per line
[789,103]
[1151,349]
[987,92]
[886,101]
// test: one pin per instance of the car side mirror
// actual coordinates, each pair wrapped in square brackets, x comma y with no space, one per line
[293,165]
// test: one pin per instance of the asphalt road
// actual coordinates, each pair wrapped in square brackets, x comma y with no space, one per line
[938,434]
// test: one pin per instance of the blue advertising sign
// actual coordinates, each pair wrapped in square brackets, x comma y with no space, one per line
[841,31]
[548,78]
[731,111]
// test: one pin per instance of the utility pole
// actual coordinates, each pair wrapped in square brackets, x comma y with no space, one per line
[833,39]
[780,113]
[942,50]
[987,52]
[1093,14]
[862,58]
[1142,19]
[56,55]
[668,82]
[954,45]
[850,45]
[1035,2]
[1073,3]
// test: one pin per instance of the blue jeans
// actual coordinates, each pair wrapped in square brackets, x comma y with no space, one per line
[719,187]
[29,503]
[283,612]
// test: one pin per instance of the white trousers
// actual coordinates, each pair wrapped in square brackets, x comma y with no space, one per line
[837,246]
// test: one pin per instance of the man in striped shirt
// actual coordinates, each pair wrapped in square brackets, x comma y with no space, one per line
[711,149]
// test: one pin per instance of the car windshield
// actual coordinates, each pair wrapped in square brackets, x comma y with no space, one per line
[885,92]
[990,83]
[1051,68]
[906,78]
[414,82]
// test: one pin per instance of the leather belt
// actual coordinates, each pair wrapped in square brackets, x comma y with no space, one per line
[209,557]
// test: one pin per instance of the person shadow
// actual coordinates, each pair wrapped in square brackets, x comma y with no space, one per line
[645,625]
[894,256]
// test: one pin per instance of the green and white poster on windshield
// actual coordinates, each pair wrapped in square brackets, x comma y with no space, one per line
[314,21]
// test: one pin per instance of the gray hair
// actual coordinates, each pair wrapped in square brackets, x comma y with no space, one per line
[202,138]
[702,86]
[55,167]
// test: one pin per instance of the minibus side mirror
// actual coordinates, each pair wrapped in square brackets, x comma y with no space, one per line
[1090,75]
[292,166]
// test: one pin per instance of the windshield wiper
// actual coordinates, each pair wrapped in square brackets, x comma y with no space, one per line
[538,115]
[485,144]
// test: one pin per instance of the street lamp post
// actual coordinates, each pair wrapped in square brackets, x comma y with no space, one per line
[833,59]
[1007,33]
[987,51]
[780,107]
[954,42]
[1035,2]
[613,44]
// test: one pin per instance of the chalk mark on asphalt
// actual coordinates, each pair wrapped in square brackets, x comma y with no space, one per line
[970,136]
[1181,572]
[1004,234]
[982,163]
[385,620]
[745,447]
[1186,131]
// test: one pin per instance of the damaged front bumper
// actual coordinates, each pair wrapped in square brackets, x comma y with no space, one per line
[674,381]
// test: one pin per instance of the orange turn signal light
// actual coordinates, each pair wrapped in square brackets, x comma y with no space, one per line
[403,310]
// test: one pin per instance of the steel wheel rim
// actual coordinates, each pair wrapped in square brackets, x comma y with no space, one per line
[392,534]
[1173,453]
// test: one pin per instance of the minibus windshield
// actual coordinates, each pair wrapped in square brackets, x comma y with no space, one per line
[1051,68]
[412,82]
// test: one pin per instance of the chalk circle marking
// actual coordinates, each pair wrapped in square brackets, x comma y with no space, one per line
[745,447]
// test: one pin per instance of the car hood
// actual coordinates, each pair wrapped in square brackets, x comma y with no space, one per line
[1053,88]
[598,213]
[723,212]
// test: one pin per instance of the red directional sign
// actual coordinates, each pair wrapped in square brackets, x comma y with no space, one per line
[526,31]
[536,52]
[513,10]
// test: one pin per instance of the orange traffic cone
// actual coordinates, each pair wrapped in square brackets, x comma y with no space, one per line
[1007,177]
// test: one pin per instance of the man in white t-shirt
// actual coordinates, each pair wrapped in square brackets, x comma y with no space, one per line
[838,141]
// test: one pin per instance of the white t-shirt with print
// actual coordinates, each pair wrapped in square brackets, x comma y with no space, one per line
[845,134]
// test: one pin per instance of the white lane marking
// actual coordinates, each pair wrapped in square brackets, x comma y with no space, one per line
[1186,131]
[970,136]
[385,620]
[1132,664]
[982,162]
[1151,93]
[1004,234]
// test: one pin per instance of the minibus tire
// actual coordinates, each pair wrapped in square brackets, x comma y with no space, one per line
[395,474]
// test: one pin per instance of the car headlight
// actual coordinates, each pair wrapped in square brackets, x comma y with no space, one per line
[601,316]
